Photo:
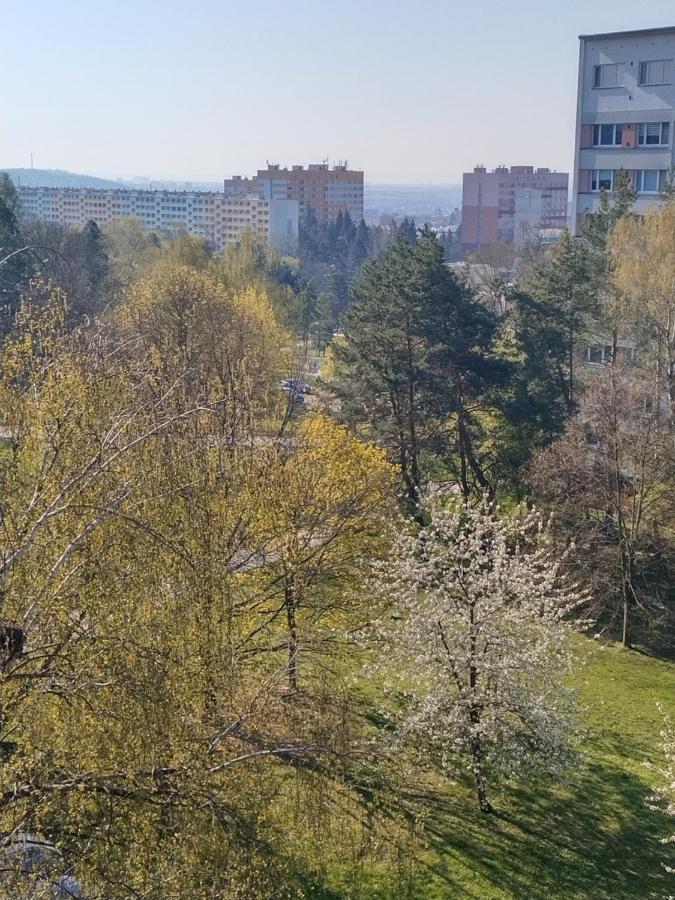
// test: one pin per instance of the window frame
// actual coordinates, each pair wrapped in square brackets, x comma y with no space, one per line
[642,131]
[661,179]
[597,75]
[643,67]
[595,176]
[602,354]
[616,127]
[597,351]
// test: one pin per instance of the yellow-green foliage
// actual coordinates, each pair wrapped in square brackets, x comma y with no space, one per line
[221,344]
[318,505]
[143,726]
[328,370]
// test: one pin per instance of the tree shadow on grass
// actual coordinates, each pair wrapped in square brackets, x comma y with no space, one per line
[591,838]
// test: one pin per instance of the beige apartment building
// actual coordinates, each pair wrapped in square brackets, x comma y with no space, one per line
[327,189]
[218,218]
[511,204]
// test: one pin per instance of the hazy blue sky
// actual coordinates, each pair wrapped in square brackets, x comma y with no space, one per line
[409,90]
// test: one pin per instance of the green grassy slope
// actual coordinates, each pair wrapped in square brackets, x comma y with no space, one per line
[592,837]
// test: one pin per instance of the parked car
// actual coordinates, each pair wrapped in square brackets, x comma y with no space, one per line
[296,386]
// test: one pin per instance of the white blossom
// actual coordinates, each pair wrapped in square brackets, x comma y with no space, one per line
[474,632]
[662,797]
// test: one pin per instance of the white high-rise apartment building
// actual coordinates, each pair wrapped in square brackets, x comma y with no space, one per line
[625,112]
[216,217]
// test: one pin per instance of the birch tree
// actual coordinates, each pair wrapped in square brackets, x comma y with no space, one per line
[136,734]
[643,257]
[319,507]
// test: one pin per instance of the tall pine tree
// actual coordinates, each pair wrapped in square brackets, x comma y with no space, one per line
[415,361]
[553,316]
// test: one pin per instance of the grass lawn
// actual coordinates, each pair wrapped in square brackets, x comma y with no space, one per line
[591,838]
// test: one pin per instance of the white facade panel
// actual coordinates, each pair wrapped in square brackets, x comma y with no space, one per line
[219,218]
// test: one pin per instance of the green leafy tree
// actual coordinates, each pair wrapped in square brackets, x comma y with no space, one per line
[141,513]
[131,252]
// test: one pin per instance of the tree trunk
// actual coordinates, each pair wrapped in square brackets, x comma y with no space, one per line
[570,373]
[615,348]
[474,719]
[466,448]
[411,412]
[411,485]
[463,474]
[467,454]
[627,589]
[407,453]
[415,477]
[670,363]
[477,763]
[625,636]
[616,481]
[289,601]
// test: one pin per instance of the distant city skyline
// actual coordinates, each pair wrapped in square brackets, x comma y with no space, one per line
[410,93]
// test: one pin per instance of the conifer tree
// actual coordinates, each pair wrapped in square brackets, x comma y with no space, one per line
[15,257]
[407,229]
[415,358]
[553,315]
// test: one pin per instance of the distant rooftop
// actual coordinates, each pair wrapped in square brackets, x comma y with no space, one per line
[642,32]
[515,170]
[312,167]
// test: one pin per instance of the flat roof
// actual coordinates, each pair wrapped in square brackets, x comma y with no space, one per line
[642,32]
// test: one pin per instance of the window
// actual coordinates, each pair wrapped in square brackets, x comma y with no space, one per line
[651,181]
[598,355]
[654,133]
[602,179]
[595,355]
[656,71]
[608,76]
[607,135]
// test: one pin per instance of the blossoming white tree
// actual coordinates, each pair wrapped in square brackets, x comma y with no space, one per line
[475,640]
[662,798]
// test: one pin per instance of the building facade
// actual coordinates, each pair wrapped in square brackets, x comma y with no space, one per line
[327,189]
[510,204]
[625,106]
[215,217]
